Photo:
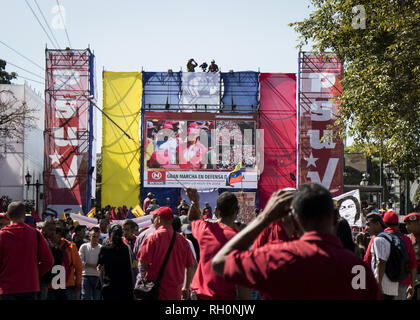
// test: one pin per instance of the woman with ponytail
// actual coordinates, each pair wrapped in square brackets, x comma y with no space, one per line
[114,264]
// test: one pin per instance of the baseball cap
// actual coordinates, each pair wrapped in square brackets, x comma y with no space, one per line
[413,216]
[391,217]
[164,212]
[4,216]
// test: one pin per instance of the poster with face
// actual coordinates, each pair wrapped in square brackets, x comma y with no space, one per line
[349,207]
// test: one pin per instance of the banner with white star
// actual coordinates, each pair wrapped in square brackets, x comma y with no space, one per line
[68,133]
[320,147]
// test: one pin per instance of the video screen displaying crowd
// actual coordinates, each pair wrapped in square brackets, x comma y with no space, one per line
[297,247]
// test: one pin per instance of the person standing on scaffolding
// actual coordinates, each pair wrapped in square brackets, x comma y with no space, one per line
[204,66]
[213,67]
[191,65]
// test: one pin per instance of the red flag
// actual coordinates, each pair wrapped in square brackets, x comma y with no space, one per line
[113,214]
[122,212]
[35,215]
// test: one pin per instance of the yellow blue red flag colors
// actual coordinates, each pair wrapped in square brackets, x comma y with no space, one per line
[235,175]
[91,213]
[137,211]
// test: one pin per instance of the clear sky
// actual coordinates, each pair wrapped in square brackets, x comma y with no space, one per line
[157,35]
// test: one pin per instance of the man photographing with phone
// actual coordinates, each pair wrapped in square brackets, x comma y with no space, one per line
[314,267]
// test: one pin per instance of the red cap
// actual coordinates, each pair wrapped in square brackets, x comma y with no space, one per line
[4,216]
[391,217]
[164,212]
[413,216]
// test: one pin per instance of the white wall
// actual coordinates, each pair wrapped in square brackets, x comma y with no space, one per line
[34,144]
[28,154]
[11,162]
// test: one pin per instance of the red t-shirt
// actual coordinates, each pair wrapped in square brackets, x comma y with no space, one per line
[315,267]
[153,252]
[211,237]
[22,259]
[274,232]
[412,260]
[146,203]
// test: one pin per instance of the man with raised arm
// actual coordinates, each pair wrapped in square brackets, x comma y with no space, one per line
[314,267]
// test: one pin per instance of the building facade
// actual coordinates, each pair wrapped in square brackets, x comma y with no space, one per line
[25,154]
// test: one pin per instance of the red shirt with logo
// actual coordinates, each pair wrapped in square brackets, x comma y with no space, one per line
[153,252]
[315,267]
[211,237]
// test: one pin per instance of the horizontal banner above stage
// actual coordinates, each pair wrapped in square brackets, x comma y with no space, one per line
[201,91]
[120,155]
[196,179]
[240,92]
[161,88]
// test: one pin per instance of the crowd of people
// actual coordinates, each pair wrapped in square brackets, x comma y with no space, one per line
[297,247]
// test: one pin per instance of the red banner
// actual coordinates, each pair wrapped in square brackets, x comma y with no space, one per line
[320,149]
[277,120]
[66,129]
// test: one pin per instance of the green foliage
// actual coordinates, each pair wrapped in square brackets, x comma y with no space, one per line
[6,77]
[380,105]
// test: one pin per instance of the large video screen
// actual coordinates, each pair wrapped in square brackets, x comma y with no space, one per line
[203,143]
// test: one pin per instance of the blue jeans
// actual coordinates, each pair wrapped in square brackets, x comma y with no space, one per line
[89,291]
[43,291]
[402,289]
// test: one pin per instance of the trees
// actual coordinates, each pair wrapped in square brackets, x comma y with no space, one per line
[379,44]
[15,117]
[5,77]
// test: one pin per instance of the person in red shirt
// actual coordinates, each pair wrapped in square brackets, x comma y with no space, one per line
[4,220]
[147,201]
[412,222]
[211,236]
[153,252]
[207,214]
[406,287]
[285,229]
[314,267]
[24,257]
[129,236]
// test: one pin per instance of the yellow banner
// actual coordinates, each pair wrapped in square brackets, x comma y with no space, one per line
[122,93]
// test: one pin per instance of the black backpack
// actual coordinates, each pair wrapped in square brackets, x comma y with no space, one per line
[397,268]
